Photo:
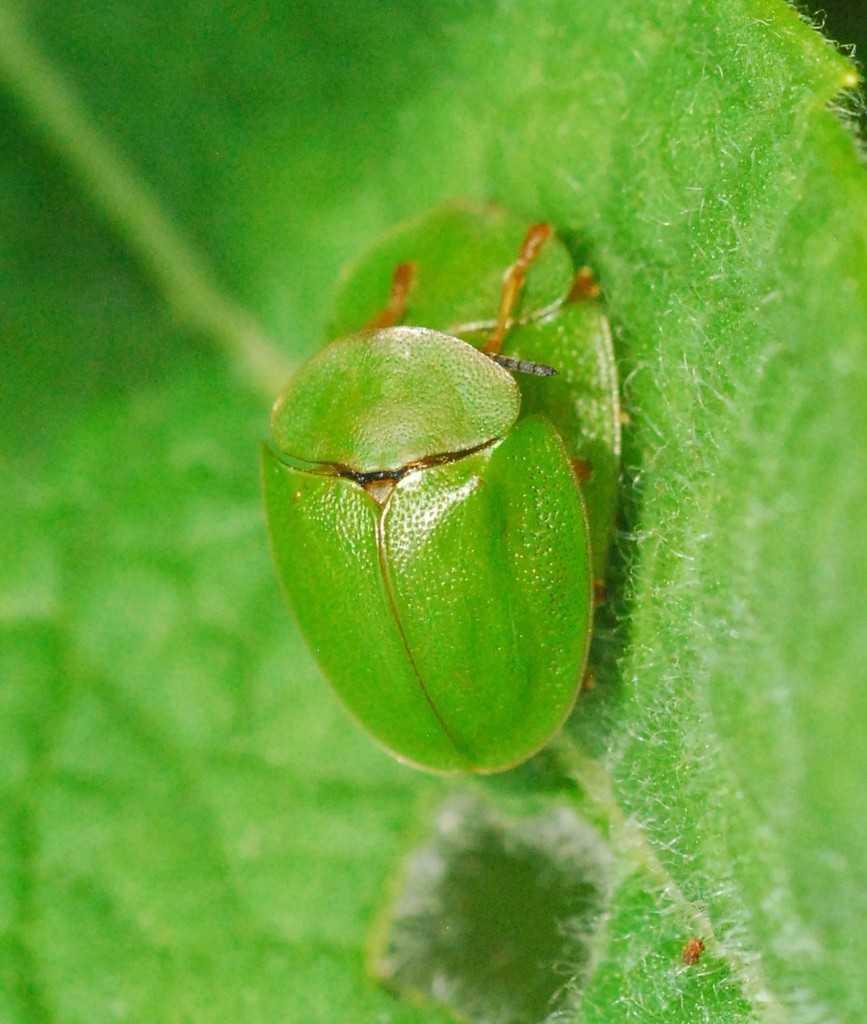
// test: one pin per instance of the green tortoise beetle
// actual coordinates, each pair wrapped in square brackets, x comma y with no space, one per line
[423,496]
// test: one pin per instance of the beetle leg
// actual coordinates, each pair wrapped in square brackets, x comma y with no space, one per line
[395,309]
[584,286]
[582,469]
[513,282]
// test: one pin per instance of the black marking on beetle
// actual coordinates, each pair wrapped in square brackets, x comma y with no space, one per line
[378,475]
[523,365]
[399,472]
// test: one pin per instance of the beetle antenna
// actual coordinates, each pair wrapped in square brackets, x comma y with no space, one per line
[513,282]
[523,365]
[395,308]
